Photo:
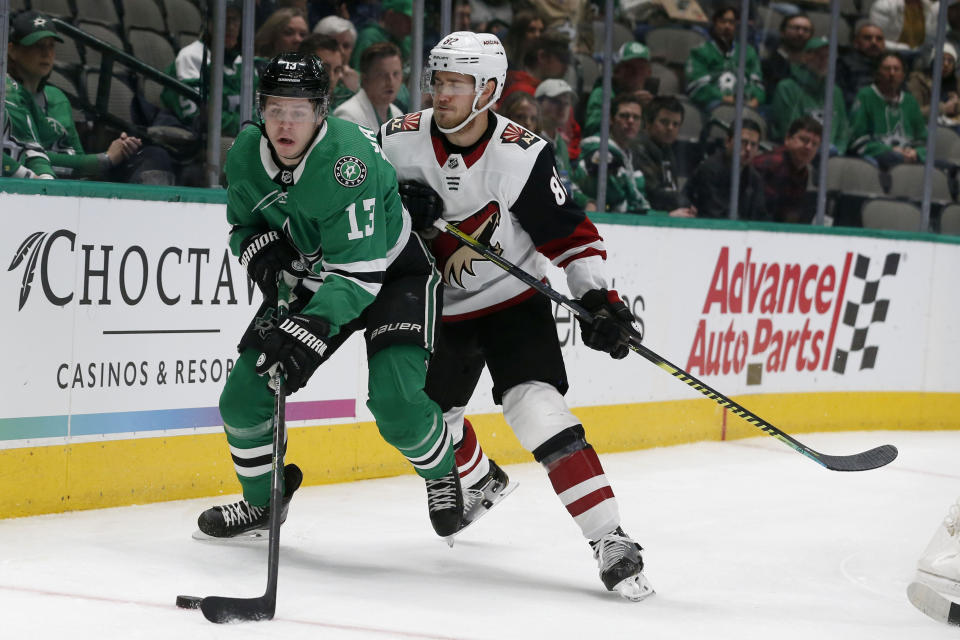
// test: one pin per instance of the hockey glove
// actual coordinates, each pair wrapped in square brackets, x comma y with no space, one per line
[298,345]
[612,321]
[423,204]
[265,256]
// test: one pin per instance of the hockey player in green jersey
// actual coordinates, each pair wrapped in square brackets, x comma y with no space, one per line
[313,199]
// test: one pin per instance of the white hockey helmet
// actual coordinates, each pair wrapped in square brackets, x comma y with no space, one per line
[480,55]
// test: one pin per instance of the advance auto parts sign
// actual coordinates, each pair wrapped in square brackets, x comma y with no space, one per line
[761,317]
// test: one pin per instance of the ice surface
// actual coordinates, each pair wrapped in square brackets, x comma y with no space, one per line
[743,539]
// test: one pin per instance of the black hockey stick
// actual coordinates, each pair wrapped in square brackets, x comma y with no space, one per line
[221,609]
[871,459]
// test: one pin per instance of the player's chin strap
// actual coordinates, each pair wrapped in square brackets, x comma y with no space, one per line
[474,113]
[871,459]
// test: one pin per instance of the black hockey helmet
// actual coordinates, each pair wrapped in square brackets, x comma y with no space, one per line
[296,75]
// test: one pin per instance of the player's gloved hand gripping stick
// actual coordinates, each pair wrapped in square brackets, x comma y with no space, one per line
[222,609]
[863,461]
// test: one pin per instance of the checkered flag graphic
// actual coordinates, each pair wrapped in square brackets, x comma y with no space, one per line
[860,315]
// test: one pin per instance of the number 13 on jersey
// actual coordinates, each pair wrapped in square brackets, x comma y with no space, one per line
[355,232]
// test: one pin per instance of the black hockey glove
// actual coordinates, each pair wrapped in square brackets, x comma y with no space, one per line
[612,321]
[299,345]
[423,204]
[265,256]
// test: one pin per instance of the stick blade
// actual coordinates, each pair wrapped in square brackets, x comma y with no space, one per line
[223,610]
[872,459]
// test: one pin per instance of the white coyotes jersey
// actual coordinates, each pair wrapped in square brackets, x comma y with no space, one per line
[503,190]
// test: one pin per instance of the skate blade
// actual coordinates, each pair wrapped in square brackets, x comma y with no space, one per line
[635,588]
[256,535]
[480,510]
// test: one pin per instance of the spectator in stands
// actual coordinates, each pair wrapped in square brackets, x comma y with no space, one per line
[786,171]
[888,127]
[547,57]
[906,24]
[394,25]
[526,28]
[31,55]
[328,50]
[346,36]
[282,32]
[803,93]
[555,98]
[655,156]
[920,86]
[523,109]
[953,23]
[462,18]
[626,183]
[855,69]
[709,186]
[381,74]
[795,31]
[191,67]
[711,70]
[572,17]
[631,69]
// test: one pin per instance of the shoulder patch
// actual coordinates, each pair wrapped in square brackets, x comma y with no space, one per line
[350,171]
[518,135]
[409,122]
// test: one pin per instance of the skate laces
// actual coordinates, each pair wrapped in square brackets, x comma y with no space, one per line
[612,548]
[441,493]
[240,513]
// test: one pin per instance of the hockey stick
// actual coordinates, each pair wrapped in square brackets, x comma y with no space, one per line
[863,461]
[221,609]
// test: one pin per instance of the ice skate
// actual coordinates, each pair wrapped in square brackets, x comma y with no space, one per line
[483,495]
[621,565]
[445,503]
[243,521]
[939,566]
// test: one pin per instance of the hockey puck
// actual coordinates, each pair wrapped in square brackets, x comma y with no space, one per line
[189,602]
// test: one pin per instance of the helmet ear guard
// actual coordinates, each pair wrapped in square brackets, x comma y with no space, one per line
[480,55]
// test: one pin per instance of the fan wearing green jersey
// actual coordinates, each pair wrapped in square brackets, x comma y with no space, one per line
[314,202]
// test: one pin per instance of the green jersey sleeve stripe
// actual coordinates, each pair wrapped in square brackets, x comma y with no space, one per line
[365,266]
[373,288]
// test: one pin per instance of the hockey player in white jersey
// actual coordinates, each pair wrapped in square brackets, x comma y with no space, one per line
[497,182]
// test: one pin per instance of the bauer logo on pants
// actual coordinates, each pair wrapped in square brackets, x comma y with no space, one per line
[350,171]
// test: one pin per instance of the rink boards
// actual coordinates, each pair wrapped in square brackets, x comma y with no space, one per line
[122,315]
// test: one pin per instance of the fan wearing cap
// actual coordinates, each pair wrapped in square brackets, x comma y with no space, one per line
[31,55]
[313,201]
[556,98]
[394,25]
[461,163]
[711,69]
[803,93]
[631,69]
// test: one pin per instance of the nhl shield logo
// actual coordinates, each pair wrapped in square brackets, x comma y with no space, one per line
[286,177]
[350,171]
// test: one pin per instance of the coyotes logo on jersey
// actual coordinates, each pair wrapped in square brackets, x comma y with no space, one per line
[409,122]
[455,259]
[518,135]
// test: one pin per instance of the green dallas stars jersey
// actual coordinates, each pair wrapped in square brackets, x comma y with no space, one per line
[339,208]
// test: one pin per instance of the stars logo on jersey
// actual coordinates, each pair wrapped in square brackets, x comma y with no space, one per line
[518,135]
[350,171]
[409,122]
[453,258]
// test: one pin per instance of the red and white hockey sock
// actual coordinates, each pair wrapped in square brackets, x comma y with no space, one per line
[579,480]
[472,463]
